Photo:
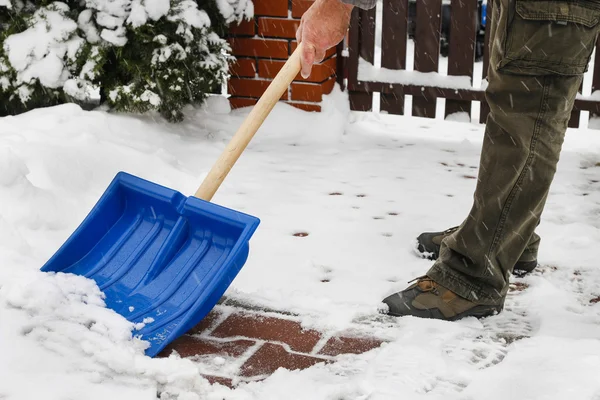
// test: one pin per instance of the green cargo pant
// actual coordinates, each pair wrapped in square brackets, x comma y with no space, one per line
[539,51]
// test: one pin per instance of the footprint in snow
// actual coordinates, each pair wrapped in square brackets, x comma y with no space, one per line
[514,322]
[479,349]
[489,346]
[442,386]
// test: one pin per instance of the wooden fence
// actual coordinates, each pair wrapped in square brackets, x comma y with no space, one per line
[424,83]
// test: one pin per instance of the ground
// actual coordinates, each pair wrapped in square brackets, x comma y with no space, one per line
[341,197]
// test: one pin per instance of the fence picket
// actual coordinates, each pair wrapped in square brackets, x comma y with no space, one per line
[394,34]
[427,52]
[461,56]
[484,109]
[361,43]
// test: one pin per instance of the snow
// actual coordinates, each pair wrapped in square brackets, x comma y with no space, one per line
[58,341]
[151,97]
[369,73]
[594,96]
[138,15]
[187,11]
[157,8]
[235,10]
[6,3]
[108,21]
[84,22]
[40,51]
[117,37]
[117,8]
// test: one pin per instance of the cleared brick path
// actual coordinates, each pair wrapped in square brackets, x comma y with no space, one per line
[234,344]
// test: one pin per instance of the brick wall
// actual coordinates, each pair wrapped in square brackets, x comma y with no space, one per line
[261,47]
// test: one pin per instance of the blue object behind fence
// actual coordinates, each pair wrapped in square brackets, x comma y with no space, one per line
[483,13]
[161,258]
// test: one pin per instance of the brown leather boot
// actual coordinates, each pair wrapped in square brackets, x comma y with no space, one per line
[428,299]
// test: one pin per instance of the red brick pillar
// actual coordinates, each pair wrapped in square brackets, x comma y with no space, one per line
[261,47]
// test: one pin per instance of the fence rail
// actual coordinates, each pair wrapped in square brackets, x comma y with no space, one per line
[464,37]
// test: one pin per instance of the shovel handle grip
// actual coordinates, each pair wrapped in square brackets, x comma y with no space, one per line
[246,131]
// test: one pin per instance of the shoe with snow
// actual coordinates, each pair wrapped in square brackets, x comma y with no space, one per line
[428,246]
[428,299]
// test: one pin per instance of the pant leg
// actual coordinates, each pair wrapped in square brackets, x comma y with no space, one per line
[531,251]
[539,51]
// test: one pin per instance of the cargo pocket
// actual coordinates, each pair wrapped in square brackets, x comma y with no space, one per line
[550,37]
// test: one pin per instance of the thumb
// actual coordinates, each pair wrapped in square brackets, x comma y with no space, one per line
[307,59]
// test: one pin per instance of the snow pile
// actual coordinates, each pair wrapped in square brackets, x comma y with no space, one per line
[61,342]
[362,187]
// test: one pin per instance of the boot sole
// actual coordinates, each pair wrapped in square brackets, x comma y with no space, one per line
[480,311]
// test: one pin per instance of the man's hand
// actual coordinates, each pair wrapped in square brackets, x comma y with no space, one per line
[323,26]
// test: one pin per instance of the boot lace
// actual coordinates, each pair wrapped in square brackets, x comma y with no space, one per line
[432,287]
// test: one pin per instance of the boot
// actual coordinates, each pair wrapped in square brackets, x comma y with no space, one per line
[428,299]
[428,246]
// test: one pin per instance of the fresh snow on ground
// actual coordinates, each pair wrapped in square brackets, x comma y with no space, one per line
[395,177]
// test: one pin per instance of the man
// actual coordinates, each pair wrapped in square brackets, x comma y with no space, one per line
[539,50]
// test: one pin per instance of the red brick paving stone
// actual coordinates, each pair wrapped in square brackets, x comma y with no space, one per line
[207,322]
[517,287]
[271,356]
[268,328]
[345,345]
[220,380]
[189,346]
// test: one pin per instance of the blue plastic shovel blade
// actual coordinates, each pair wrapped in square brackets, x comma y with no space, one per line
[160,257]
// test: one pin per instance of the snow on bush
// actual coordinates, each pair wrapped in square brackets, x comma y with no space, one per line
[46,51]
[141,55]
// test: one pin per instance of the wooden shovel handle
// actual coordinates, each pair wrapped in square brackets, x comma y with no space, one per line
[249,127]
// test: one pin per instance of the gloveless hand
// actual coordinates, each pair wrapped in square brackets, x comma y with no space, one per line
[323,26]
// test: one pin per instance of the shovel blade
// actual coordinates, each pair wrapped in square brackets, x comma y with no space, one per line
[162,259]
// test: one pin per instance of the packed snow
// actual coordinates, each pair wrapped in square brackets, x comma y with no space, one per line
[368,72]
[362,186]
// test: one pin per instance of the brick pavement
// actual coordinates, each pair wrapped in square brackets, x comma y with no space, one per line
[235,344]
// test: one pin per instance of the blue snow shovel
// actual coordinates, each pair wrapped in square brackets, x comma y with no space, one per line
[163,259]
